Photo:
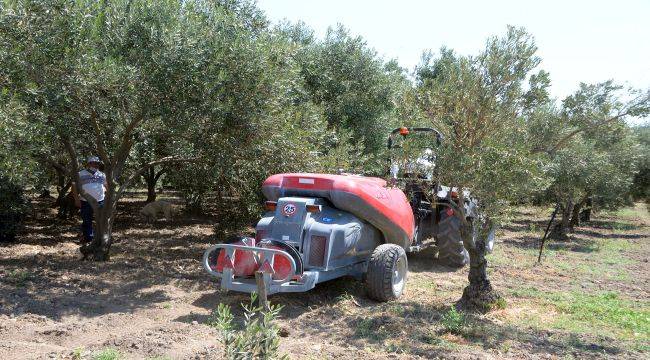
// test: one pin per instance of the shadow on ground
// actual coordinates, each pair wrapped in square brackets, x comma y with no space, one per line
[427,333]
[47,276]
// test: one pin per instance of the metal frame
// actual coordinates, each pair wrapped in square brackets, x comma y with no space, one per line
[439,136]
[307,281]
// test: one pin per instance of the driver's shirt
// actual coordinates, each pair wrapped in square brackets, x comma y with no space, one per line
[92,183]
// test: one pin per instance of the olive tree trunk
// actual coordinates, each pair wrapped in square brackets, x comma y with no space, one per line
[575,214]
[585,215]
[561,230]
[151,178]
[479,293]
[99,248]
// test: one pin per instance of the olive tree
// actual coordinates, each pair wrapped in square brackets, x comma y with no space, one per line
[267,127]
[355,87]
[591,152]
[99,72]
[155,141]
[477,102]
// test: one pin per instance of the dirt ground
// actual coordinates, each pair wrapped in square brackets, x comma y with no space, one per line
[589,298]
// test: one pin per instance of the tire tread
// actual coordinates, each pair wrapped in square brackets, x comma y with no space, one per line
[451,250]
[380,270]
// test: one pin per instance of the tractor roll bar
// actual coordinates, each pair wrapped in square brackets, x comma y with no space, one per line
[405,131]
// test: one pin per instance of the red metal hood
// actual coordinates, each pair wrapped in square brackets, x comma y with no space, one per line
[368,198]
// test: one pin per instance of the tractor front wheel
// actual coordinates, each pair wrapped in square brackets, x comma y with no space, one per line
[387,270]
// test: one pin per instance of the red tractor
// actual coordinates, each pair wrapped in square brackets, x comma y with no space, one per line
[319,227]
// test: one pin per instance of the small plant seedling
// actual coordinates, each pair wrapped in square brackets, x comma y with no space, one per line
[364,327]
[346,296]
[108,354]
[259,337]
[453,321]
[77,353]
[18,277]
[500,304]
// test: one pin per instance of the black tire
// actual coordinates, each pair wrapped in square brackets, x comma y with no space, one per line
[451,251]
[387,272]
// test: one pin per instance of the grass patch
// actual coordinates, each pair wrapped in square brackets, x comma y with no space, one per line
[533,228]
[397,309]
[370,328]
[18,278]
[622,226]
[606,312]
[108,354]
[639,211]
[431,338]
[378,328]
[77,353]
[500,304]
[616,246]
[453,321]
[346,296]
[605,258]
[423,283]
[515,257]
[527,292]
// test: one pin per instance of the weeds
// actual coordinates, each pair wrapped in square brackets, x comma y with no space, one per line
[606,311]
[397,309]
[527,292]
[365,328]
[77,353]
[639,211]
[259,338]
[500,304]
[108,354]
[621,226]
[453,321]
[18,277]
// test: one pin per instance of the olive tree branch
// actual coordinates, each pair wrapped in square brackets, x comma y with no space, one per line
[141,170]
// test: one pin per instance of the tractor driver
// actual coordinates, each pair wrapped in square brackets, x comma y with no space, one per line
[422,167]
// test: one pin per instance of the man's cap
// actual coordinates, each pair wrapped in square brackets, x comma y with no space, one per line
[93,159]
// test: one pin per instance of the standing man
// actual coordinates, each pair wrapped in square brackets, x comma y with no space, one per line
[93,183]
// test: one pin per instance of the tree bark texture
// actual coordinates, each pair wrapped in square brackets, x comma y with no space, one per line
[479,295]
[151,180]
[575,215]
[585,215]
[561,230]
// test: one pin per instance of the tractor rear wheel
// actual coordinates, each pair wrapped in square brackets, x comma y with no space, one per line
[451,251]
[387,270]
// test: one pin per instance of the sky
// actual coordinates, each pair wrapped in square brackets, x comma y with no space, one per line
[578,41]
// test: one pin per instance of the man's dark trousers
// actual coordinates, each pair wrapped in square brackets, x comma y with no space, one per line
[87,220]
